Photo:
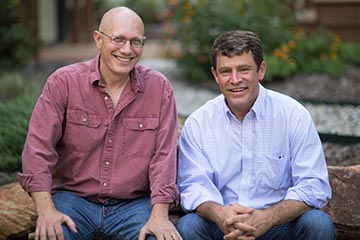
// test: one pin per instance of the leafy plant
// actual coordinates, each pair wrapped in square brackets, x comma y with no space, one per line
[289,49]
[18,96]
[195,24]
[16,84]
[14,118]
[15,47]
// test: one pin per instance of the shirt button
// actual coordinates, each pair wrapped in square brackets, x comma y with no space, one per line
[84,119]
[141,125]
[106,98]
[107,163]
[110,141]
[105,184]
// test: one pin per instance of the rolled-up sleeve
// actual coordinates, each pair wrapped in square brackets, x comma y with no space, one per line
[162,172]
[39,155]
[309,170]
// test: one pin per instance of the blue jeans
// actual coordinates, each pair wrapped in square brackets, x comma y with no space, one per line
[312,225]
[114,219]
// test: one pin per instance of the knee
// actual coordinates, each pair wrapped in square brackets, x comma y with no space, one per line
[317,221]
[187,222]
[190,224]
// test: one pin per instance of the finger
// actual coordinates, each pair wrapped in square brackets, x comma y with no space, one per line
[245,238]
[59,232]
[142,235]
[241,209]
[244,227]
[233,234]
[51,235]
[175,236]
[42,235]
[70,223]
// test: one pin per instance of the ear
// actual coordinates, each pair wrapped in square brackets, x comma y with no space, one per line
[213,71]
[262,70]
[97,39]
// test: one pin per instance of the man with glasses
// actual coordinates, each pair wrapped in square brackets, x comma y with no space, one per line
[100,155]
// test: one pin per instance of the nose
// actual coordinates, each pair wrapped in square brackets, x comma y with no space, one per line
[126,48]
[235,78]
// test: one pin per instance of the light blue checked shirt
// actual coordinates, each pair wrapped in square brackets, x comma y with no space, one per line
[274,154]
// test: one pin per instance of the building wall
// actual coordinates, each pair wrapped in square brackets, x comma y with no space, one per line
[48,21]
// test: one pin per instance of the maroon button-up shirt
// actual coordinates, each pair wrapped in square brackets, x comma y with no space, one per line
[77,141]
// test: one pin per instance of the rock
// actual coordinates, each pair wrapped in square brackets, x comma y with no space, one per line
[17,212]
[344,207]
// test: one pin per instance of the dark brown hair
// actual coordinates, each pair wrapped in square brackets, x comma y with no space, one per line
[237,43]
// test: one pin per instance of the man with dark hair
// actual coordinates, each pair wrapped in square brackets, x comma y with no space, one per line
[251,164]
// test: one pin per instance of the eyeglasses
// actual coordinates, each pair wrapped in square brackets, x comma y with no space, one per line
[135,42]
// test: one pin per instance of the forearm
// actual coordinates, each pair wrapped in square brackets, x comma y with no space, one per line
[211,211]
[160,210]
[287,211]
[43,202]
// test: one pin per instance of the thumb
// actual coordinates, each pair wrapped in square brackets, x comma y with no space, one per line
[241,209]
[70,223]
[142,234]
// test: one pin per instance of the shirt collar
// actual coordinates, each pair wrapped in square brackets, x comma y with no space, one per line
[257,108]
[259,103]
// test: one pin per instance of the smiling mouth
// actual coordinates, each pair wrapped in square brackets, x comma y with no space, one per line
[237,90]
[123,60]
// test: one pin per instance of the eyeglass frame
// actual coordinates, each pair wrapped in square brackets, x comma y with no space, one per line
[113,40]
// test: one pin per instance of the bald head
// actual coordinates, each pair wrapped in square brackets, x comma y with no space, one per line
[120,17]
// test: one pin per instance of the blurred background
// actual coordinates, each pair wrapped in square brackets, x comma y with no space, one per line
[312,50]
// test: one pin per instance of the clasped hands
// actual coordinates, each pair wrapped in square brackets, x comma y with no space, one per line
[243,223]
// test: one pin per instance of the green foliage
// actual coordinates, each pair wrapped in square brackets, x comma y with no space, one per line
[16,84]
[350,53]
[15,47]
[288,49]
[195,24]
[304,53]
[147,9]
[14,117]
[17,98]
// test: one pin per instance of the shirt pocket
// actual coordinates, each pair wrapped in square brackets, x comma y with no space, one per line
[274,171]
[140,136]
[83,117]
[82,131]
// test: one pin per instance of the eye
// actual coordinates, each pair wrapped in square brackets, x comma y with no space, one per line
[119,40]
[225,72]
[244,70]
[136,42]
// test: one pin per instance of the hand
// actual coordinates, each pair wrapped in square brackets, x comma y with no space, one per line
[249,226]
[159,224]
[161,228]
[219,214]
[49,225]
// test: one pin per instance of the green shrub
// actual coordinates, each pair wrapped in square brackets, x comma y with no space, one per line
[16,84]
[195,24]
[15,47]
[306,53]
[350,53]
[288,48]
[14,117]
[149,10]
[17,98]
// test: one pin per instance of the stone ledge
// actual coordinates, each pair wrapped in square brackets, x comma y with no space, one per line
[17,214]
